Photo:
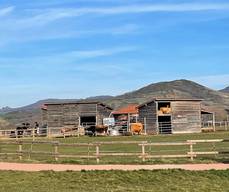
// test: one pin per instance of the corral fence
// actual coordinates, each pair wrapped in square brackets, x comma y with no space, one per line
[99,151]
[163,128]
[216,126]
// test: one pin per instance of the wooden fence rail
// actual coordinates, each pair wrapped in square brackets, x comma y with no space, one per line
[98,154]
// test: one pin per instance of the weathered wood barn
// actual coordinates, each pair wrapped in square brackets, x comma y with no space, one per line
[166,116]
[73,115]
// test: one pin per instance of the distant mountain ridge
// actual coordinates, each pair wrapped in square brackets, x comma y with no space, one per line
[226,90]
[213,100]
[38,104]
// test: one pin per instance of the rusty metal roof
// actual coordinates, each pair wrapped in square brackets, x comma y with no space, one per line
[130,109]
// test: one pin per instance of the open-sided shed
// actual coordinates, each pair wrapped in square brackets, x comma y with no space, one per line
[73,115]
[166,116]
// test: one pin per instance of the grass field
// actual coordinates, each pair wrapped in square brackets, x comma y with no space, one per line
[123,148]
[115,181]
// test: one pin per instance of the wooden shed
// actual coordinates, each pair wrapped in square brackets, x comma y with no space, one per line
[73,115]
[167,116]
[126,115]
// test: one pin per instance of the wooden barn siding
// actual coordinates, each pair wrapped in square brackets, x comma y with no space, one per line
[55,114]
[186,116]
[103,112]
[149,112]
[70,115]
[87,109]
[44,115]
[67,115]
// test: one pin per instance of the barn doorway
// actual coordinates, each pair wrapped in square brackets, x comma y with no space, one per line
[87,121]
[165,124]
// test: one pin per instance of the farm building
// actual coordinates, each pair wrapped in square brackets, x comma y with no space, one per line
[73,115]
[126,115]
[166,116]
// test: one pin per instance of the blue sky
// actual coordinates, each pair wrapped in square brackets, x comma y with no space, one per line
[81,48]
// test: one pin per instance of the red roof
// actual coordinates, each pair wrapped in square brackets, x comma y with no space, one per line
[130,109]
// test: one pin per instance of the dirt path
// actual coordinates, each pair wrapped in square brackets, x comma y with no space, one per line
[61,167]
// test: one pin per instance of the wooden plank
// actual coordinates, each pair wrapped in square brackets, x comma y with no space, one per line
[206,141]
[119,154]
[204,153]
[166,156]
[166,144]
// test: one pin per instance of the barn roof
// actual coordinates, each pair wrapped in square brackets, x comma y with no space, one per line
[169,100]
[130,109]
[78,102]
[206,112]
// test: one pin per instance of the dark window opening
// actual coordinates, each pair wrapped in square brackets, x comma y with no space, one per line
[164,108]
[165,125]
[88,120]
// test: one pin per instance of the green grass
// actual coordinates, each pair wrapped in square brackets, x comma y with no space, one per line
[125,148]
[115,181]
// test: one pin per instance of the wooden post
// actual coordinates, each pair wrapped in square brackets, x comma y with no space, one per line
[31,150]
[225,125]
[97,153]
[143,153]
[213,121]
[16,134]
[128,123]
[33,133]
[20,151]
[78,128]
[191,151]
[145,126]
[157,123]
[56,151]
[48,132]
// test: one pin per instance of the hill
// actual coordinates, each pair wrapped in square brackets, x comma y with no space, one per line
[213,100]
[226,90]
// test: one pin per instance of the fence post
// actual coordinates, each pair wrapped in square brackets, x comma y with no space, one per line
[225,124]
[191,151]
[213,121]
[143,153]
[33,133]
[48,132]
[97,153]
[56,151]
[16,134]
[145,126]
[20,151]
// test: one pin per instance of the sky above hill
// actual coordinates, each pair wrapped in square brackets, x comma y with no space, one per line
[81,48]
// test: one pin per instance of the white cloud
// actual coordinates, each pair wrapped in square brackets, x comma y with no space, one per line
[6,11]
[61,58]
[99,53]
[156,8]
[49,15]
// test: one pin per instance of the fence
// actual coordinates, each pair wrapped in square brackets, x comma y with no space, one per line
[101,150]
[163,128]
[218,125]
